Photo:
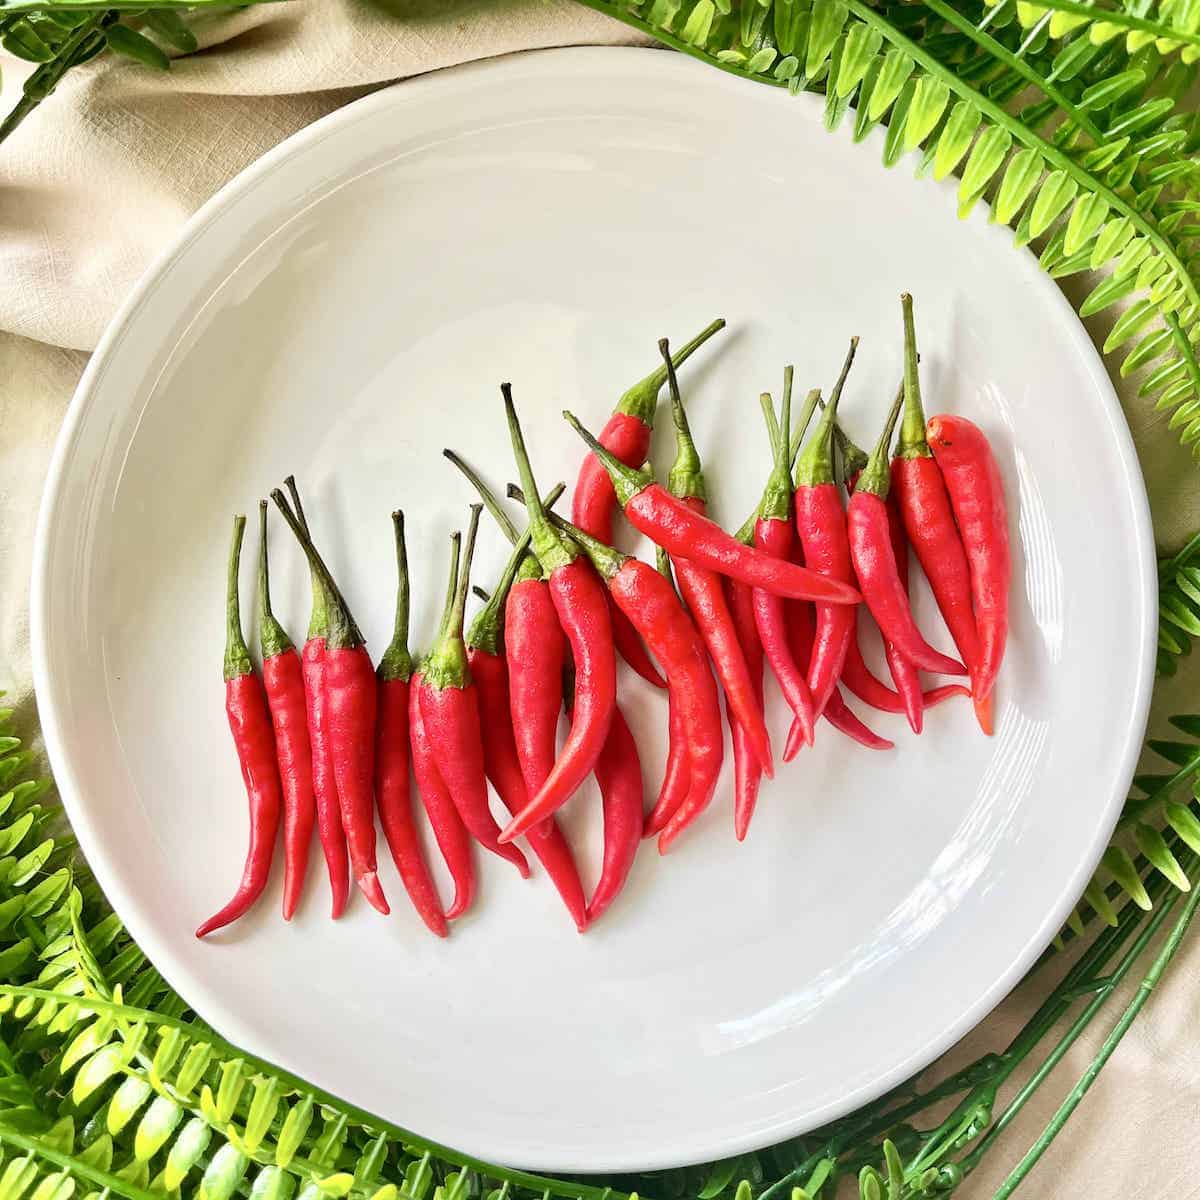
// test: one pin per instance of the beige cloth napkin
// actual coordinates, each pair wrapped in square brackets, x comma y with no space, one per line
[98,180]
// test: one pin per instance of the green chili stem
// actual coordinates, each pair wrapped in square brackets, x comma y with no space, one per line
[271,634]
[876,475]
[912,442]
[237,656]
[686,477]
[641,400]
[605,559]
[318,621]
[627,481]
[486,494]
[446,666]
[396,662]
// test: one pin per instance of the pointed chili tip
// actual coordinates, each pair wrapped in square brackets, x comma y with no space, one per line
[368,883]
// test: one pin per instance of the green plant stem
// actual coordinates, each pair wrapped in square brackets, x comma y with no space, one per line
[75,1166]
[1135,1006]
[1122,19]
[1191,547]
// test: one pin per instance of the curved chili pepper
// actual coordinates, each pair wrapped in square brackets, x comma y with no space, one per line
[773,535]
[821,525]
[489,669]
[929,522]
[652,605]
[837,712]
[450,714]
[583,614]
[253,738]
[312,662]
[351,707]
[677,776]
[627,434]
[668,522]
[448,829]
[747,768]
[976,491]
[283,677]
[393,780]
[875,562]
[703,592]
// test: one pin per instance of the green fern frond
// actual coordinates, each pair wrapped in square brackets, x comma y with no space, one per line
[1075,136]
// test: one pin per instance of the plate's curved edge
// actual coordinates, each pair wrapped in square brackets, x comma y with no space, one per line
[70,787]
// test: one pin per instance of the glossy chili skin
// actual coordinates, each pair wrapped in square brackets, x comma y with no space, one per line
[351,708]
[747,769]
[801,632]
[774,537]
[619,776]
[283,678]
[704,594]
[684,534]
[448,829]
[329,811]
[905,675]
[859,680]
[677,775]
[976,493]
[249,719]
[490,673]
[250,723]
[536,652]
[651,604]
[592,506]
[821,526]
[583,615]
[393,794]
[879,579]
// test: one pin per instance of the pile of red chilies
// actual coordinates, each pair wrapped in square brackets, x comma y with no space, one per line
[324,738]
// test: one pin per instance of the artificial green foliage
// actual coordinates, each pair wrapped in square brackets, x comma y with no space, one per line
[1072,120]
[111,1087]
[63,35]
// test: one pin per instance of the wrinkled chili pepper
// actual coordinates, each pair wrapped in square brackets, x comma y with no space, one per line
[821,526]
[875,562]
[489,668]
[393,778]
[283,678]
[312,661]
[773,535]
[250,723]
[654,608]
[583,614]
[702,590]
[669,522]
[450,716]
[627,434]
[449,832]
[930,524]
[351,704]
[976,491]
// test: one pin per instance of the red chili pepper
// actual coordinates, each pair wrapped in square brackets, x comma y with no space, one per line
[350,705]
[253,738]
[652,605]
[747,768]
[875,562]
[821,524]
[627,434]
[329,812]
[283,677]
[450,714]
[773,535]
[929,522]
[677,776]
[704,595]
[619,777]
[393,779]
[669,522]
[855,674]
[976,491]
[489,669]
[583,614]
[448,829]
[837,712]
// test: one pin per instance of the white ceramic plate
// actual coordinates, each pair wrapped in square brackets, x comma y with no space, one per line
[346,308]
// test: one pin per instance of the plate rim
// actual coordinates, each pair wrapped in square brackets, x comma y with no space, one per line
[71,789]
